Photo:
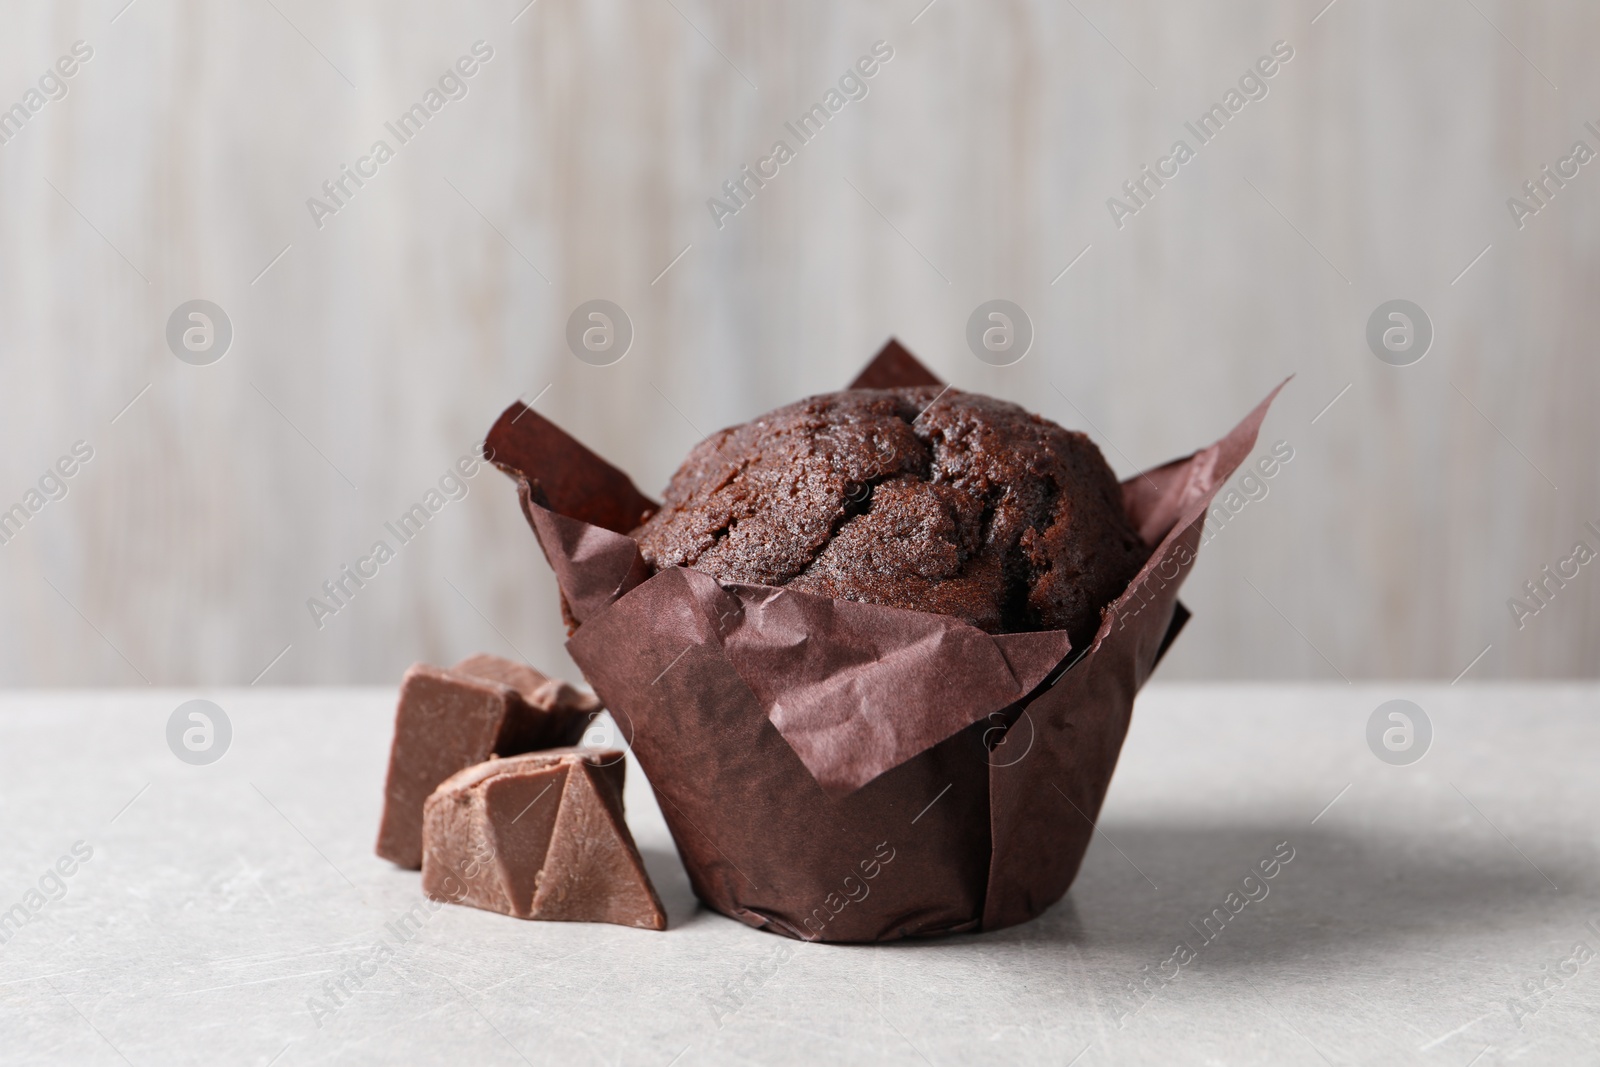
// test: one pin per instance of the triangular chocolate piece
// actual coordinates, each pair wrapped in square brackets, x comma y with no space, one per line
[527,805]
[894,368]
[464,851]
[539,836]
[593,872]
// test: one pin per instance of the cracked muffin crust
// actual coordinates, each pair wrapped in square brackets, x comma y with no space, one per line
[954,503]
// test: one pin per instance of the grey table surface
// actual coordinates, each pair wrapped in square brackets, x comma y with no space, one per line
[1423,906]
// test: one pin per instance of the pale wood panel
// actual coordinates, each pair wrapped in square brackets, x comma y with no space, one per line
[578,165]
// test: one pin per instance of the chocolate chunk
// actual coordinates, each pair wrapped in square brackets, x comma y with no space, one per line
[539,836]
[450,719]
[556,712]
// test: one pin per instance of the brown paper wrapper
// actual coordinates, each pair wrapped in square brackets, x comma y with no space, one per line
[840,771]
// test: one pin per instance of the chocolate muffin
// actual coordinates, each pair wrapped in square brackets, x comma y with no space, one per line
[947,502]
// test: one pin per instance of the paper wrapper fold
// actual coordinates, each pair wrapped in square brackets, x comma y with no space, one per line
[841,771]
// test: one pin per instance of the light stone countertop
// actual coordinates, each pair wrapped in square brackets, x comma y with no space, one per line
[1415,913]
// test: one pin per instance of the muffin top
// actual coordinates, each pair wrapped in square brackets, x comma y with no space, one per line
[950,502]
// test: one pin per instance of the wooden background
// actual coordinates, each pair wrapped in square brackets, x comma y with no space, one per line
[381,346]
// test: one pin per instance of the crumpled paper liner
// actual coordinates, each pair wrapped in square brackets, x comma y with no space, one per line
[840,771]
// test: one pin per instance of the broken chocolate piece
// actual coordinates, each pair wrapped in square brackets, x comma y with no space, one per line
[565,710]
[539,836]
[450,719]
